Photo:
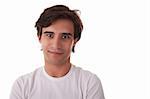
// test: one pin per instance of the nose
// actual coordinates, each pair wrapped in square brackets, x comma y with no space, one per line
[56,43]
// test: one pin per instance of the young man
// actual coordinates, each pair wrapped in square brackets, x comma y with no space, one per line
[58,30]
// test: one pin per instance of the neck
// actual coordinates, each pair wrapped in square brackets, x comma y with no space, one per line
[57,70]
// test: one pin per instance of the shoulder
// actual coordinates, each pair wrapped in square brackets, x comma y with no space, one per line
[86,76]
[21,85]
[91,83]
[85,73]
[23,79]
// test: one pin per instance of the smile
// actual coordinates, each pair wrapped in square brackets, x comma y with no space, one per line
[55,52]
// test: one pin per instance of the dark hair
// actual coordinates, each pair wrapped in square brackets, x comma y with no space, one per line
[56,12]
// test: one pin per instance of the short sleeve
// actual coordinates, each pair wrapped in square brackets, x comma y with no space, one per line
[16,91]
[95,90]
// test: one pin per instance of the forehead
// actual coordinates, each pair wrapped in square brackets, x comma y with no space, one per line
[60,26]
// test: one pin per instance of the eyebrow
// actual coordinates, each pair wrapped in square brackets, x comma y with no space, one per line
[64,33]
[67,34]
[48,32]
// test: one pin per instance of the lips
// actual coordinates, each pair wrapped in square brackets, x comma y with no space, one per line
[55,52]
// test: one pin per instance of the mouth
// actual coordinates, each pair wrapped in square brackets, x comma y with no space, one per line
[55,52]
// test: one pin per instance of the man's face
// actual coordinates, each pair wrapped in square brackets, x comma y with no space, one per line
[57,41]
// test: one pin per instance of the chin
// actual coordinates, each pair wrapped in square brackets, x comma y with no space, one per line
[56,61]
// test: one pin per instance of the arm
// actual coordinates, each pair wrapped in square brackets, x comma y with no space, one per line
[95,90]
[16,91]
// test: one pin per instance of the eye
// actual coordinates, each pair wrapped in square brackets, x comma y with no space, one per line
[50,35]
[65,36]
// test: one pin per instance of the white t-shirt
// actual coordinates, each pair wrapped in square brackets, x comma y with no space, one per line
[76,84]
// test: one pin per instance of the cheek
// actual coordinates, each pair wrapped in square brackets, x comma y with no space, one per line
[44,44]
[69,47]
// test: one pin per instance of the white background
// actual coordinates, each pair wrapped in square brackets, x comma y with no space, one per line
[115,43]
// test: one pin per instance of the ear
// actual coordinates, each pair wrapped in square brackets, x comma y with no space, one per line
[39,39]
[75,41]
